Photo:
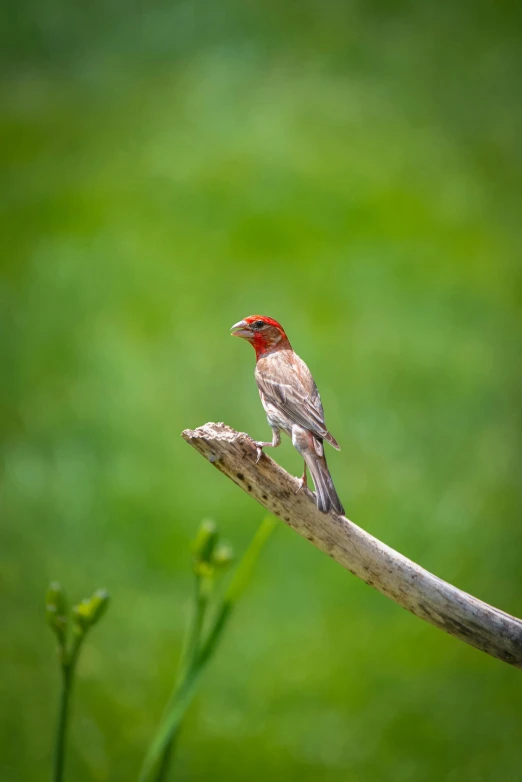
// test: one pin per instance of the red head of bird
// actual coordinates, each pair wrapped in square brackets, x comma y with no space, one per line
[265,334]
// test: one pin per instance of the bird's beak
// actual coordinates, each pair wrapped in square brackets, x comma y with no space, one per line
[241,329]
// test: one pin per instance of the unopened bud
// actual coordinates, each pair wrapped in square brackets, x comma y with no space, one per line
[90,610]
[205,542]
[56,610]
[99,604]
[223,556]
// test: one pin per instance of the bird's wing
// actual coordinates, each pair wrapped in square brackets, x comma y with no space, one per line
[287,383]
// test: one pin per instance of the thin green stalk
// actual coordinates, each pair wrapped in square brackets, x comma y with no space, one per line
[183,696]
[166,757]
[200,656]
[84,616]
[243,572]
[190,651]
[67,669]
[61,728]
[201,598]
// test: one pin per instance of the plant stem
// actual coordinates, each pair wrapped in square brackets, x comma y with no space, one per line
[191,646]
[61,728]
[166,757]
[189,655]
[68,666]
[196,656]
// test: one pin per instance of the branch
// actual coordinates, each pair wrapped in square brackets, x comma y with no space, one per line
[428,597]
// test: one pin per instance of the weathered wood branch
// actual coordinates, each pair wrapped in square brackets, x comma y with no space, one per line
[428,597]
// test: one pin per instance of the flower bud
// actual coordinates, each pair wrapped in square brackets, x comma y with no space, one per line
[90,610]
[205,542]
[56,610]
[223,556]
[99,603]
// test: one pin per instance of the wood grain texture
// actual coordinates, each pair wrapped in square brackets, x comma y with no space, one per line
[471,620]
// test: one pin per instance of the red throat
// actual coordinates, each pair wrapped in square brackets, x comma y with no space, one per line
[265,342]
[265,334]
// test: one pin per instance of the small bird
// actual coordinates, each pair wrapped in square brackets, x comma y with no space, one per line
[291,402]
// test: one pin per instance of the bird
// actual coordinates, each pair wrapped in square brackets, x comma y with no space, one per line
[291,402]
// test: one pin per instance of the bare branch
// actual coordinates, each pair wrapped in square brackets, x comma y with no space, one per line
[428,597]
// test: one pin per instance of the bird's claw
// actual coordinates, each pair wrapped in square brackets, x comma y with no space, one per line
[259,448]
[302,484]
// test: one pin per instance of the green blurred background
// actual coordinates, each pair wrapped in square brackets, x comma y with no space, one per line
[353,169]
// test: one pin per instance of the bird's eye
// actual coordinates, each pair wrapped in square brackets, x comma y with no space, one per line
[259,324]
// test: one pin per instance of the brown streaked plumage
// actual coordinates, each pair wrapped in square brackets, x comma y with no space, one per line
[291,402]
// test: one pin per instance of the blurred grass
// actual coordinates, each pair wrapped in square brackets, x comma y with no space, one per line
[355,171]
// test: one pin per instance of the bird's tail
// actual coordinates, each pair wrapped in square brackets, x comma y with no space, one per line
[331,439]
[327,498]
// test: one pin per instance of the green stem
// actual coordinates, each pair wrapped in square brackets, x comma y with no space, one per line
[201,597]
[61,728]
[166,757]
[182,697]
[187,660]
[67,667]
[197,655]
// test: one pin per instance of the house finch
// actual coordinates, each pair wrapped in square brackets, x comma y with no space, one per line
[291,402]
